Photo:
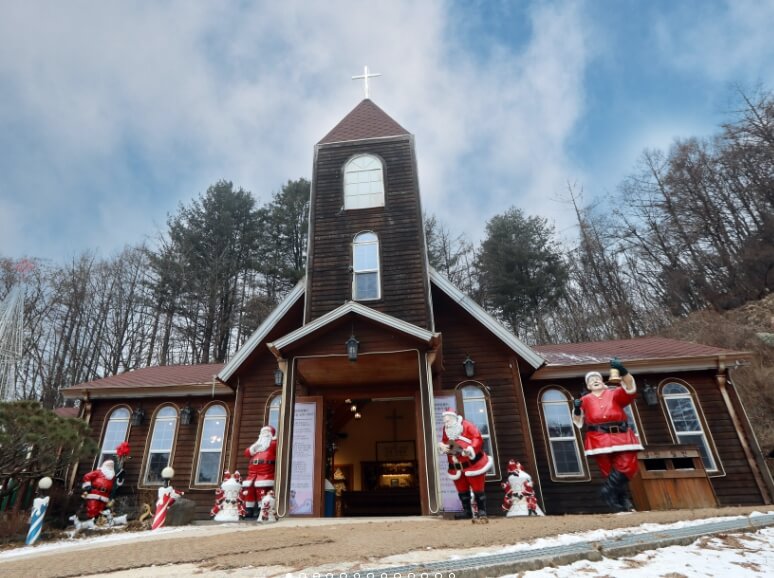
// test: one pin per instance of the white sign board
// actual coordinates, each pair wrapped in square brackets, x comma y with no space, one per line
[302,464]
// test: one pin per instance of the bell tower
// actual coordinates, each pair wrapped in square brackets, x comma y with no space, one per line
[366,235]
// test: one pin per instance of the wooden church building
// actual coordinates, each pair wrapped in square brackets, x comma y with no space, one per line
[356,365]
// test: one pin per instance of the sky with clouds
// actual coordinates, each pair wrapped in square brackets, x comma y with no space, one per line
[113,113]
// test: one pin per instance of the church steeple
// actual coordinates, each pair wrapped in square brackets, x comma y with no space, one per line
[366,239]
[365,121]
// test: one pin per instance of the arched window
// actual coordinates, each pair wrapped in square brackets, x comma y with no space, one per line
[161,445]
[365,267]
[686,423]
[563,442]
[273,413]
[363,183]
[115,432]
[211,445]
[475,409]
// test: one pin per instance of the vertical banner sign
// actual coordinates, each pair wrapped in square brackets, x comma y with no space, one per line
[302,462]
[450,502]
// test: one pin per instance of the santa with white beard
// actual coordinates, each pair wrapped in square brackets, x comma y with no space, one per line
[262,456]
[468,463]
[97,486]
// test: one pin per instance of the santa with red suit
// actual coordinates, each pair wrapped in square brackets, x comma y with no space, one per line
[609,438]
[261,456]
[468,463]
[97,486]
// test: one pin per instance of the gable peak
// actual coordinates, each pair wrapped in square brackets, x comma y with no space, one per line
[365,121]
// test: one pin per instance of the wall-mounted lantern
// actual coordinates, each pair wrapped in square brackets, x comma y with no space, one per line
[650,394]
[470,366]
[352,347]
[138,416]
[278,375]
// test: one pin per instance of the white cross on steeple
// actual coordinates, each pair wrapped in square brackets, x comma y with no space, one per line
[365,76]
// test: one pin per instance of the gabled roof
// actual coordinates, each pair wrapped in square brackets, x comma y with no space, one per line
[167,379]
[643,354]
[358,309]
[486,320]
[263,330]
[365,121]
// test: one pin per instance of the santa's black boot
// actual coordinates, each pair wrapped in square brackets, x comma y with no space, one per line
[610,491]
[467,509]
[481,503]
[624,496]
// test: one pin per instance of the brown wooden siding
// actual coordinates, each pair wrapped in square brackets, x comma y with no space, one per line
[463,335]
[398,225]
[736,487]
[183,459]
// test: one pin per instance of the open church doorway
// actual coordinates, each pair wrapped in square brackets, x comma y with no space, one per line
[372,456]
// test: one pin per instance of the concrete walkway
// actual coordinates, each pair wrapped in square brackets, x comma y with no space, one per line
[534,559]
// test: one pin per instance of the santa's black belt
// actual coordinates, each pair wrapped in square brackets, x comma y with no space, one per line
[261,462]
[466,464]
[612,427]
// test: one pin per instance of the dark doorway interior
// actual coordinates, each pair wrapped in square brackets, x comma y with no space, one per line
[372,456]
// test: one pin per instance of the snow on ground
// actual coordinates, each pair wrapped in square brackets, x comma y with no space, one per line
[747,554]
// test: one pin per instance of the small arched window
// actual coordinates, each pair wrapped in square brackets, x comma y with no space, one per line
[115,433]
[273,413]
[475,409]
[563,442]
[162,443]
[210,454]
[365,267]
[686,423]
[363,183]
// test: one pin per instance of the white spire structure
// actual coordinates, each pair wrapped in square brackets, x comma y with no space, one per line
[365,76]
[12,334]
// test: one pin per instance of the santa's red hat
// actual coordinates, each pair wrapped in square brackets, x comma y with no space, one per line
[450,411]
[268,428]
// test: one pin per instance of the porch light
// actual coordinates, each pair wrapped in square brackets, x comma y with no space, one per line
[167,474]
[650,394]
[278,375]
[357,415]
[138,416]
[352,345]
[470,366]
[187,415]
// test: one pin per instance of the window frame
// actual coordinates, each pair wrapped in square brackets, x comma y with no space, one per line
[493,474]
[691,394]
[270,410]
[585,472]
[109,415]
[377,270]
[200,450]
[378,198]
[149,443]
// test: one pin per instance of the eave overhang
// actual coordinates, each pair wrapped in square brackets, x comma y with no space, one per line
[216,387]
[351,307]
[486,320]
[718,362]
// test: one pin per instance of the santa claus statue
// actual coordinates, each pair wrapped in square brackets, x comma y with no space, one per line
[262,456]
[97,486]
[520,497]
[268,508]
[468,463]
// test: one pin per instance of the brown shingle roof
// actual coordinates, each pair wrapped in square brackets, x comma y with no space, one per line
[167,375]
[366,120]
[626,350]
[67,411]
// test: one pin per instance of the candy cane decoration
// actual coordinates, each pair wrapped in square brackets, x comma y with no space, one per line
[39,506]
[167,497]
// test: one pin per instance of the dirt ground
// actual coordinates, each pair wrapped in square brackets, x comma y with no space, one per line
[302,546]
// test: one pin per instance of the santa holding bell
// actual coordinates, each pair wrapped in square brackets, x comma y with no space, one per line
[262,456]
[468,463]
[97,487]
